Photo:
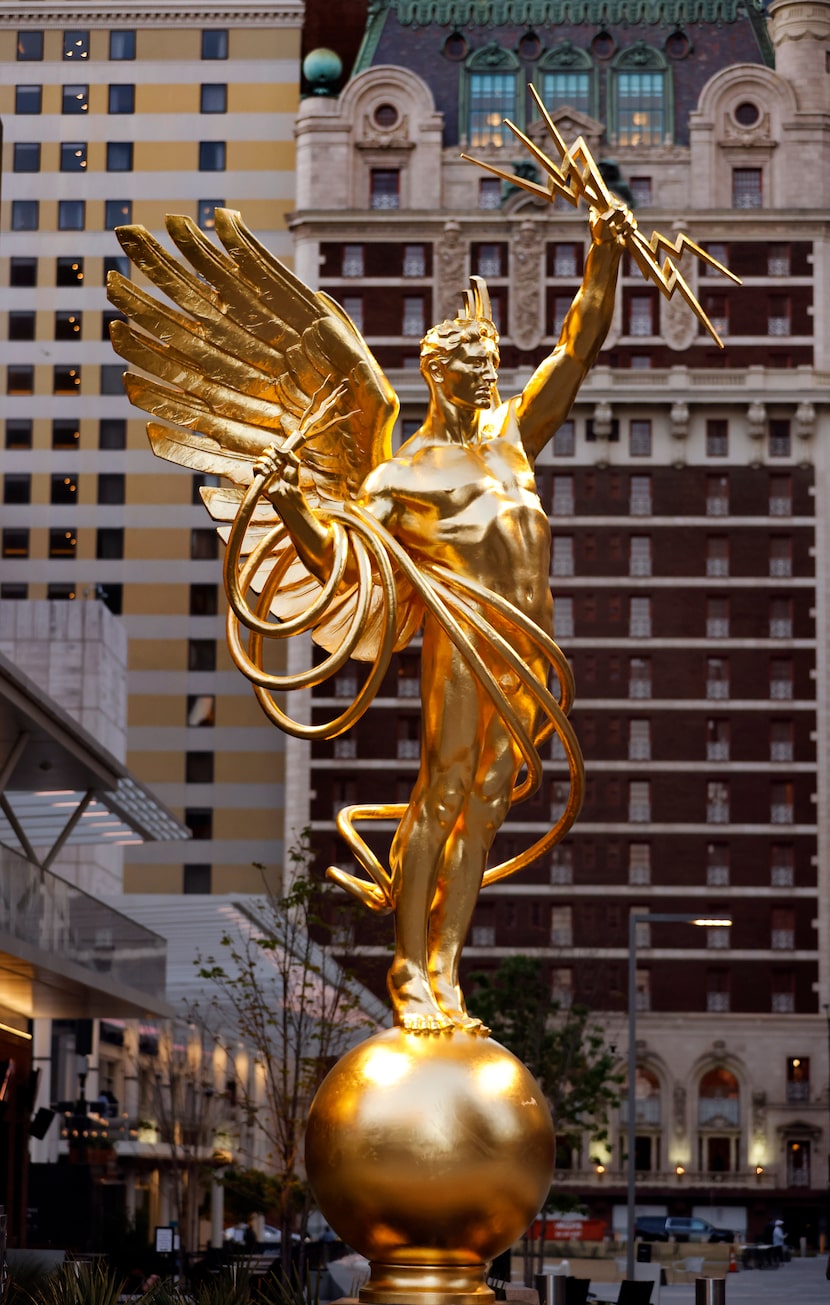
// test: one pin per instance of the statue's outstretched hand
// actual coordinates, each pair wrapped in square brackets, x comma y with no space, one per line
[613,224]
[281,469]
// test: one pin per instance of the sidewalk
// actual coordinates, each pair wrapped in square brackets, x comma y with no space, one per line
[801,1281]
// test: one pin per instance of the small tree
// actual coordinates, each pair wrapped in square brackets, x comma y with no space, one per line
[278,989]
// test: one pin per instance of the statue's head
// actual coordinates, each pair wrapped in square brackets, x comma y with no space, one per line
[461,356]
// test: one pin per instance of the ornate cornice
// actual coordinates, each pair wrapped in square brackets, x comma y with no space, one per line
[161,14]
[495,13]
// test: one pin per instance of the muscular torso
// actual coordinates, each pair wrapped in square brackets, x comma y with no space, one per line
[474,508]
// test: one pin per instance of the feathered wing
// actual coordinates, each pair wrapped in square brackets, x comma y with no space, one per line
[243,355]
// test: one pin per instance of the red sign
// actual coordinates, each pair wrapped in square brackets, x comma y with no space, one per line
[568,1228]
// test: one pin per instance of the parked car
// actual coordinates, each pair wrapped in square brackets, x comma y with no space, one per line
[654,1229]
[270,1236]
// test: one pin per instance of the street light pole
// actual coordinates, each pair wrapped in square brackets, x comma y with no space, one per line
[635,919]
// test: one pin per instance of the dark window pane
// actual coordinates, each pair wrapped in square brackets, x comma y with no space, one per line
[117,213]
[73,156]
[212,156]
[122,45]
[207,222]
[215,44]
[111,382]
[61,593]
[16,544]
[214,98]
[15,591]
[199,821]
[23,272]
[112,596]
[19,433]
[67,326]
[111,487]
[201,654]
[385,188]
[109,543]
[106,321]
[17,488]
[119,156]
[71,215]
[198,767]
[20,380]
[116,264]
[112,433]
[204,600]
[69,271]
[29,46]
[197,879]
[65,435]
[25,214]
[63,489]
[21,326]
[62,543]
[75,99]
[26,157]
[76,45]
[201,478]
[122,99]
[66,380]
[27,99]
[204,543]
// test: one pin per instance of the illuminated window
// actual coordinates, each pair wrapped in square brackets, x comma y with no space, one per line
[76,45]
[640,99]
[491,89]
[74,99]
[206,210]
[69,271]
[73,156]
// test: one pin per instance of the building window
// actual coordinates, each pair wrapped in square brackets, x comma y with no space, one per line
[782,995]
[76,45]
[75,99]
[717,866]
[18,592]
[782,865]
[213,97]
[198,767]
[639,801]
[563,496]
[782,928]
[67,325]
[119,156]
[71,214]
[747,188]
[201,710]
[562,864]
[782,798]
[717,740]
[639,555]
[563,555]
[562,987]
[25,214]
[781,618]
[639,677]
[29,47]
[489,193]
[639,863]
[717,992]
[206,210]
[198,879]
[122,45]
[488,260]
[408,739]
[491,87]
[780,442]
[781,679]
[717,802]
[215,43]
[717,496]
[117,213]
[66,380]
[62,543]
[642,191]
[639,740]
[28,99]
[111,488]
[204,600]
[109,544]
[641,314]
[201,654]
[779,315]
[18,433]
[564,441]
[561,926]
[204,544]
[571,88]
[73,156]
[17,488]
[717,437]
[63,490]
[781,745]
[639,618]
[15,543]
[199,821]
[21,326]
[717,555]
[642,1002]
[567,260]
[61,592]
[23,272]
[778,260]
[65,435]
[780,496]
[717,938]
[20,379]
[717,677]
[353,308]
[564,618]
[115,263]
[352,260]
[26,157]
[641,110]
[112,433]
[716,307]
[717,618]
[385,188]
[121,100]
[640,496]
[413,316]
[639,439]
[212,155]
[110,380]
[69,271]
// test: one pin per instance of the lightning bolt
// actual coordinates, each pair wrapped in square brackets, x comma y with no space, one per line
[577,177]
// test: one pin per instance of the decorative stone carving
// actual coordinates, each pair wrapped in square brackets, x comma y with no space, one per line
[526,290]
[603,417]
[679,1104]
[679,418]
[570,123]
[756,420]
[804,424]
[759,1115]
[678,325]
[451,254]
[373,138]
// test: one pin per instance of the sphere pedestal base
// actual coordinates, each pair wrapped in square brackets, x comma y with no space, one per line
[429,1154]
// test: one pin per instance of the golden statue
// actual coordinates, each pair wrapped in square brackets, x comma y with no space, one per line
[429,1154]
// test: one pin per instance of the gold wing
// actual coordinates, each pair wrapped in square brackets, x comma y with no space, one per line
[246,357]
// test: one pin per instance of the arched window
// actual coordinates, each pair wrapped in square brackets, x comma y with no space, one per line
[641,103]
[489,91]
[566,76]
[719,1098]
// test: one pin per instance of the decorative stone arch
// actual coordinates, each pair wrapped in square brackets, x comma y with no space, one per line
[720,1106]
[506,71]
[390,116]
[567,61]
[657,127]
[721,142]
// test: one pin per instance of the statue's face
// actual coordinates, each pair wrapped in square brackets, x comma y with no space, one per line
[468,377]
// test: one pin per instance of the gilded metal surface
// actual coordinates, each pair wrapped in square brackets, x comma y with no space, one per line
[260,380]
[429,1156]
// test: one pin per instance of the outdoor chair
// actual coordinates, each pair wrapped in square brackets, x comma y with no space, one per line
[634,1293]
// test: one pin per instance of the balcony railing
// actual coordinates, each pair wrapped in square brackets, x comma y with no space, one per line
[719,1110]
[646,1111]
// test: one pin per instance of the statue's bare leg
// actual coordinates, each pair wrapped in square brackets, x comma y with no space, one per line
[449,755]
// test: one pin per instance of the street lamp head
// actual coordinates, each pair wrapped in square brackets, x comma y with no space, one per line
[723,923]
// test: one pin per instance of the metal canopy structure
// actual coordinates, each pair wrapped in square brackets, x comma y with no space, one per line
[62,952]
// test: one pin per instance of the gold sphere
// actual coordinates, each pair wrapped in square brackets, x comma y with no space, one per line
[429,1149]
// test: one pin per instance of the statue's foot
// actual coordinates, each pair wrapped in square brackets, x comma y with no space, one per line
[451,1001]
[414,1005]
[434,1022]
